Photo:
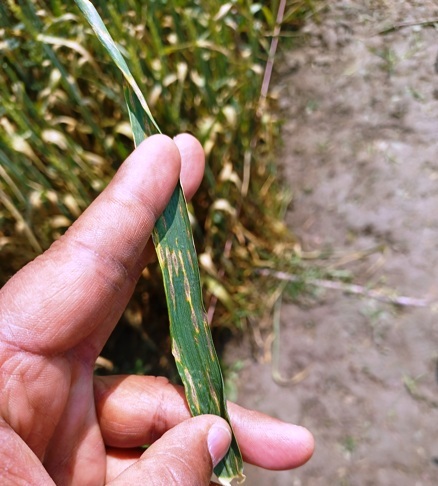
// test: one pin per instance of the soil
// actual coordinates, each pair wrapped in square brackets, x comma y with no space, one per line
[361,157]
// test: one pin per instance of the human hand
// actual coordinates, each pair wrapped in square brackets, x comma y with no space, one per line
[59,424]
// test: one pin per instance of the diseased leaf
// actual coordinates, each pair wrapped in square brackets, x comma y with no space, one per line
[192,343]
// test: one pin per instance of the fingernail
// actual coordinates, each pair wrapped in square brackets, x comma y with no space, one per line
[218,440]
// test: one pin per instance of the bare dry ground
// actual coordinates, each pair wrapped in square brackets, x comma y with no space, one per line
[361,156]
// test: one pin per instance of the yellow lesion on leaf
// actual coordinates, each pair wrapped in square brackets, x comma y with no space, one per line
[173,260]
[189,258]
[210,345]
[188,294]
[170,268]
[161,255]
[175,352]
[213,394]
[192,390]
[194,318]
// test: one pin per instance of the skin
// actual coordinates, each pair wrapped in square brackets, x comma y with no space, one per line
[61,425]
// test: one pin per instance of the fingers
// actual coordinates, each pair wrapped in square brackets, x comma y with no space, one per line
[135,410]
[83,282]
[186,454]
[270,443]
[192,163]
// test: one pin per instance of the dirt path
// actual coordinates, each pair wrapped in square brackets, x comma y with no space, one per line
[361,155]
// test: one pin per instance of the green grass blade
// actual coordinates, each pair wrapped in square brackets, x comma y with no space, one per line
[192,343]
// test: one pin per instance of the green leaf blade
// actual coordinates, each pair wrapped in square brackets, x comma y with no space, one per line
[192,343]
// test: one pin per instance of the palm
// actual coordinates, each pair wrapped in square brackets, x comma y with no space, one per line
[57,421]
[75,448]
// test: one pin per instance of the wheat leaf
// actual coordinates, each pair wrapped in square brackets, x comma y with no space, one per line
[192,343]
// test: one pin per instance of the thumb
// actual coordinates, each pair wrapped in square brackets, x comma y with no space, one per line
[186,454]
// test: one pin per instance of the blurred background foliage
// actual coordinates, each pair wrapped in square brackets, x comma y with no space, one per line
[64,131]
